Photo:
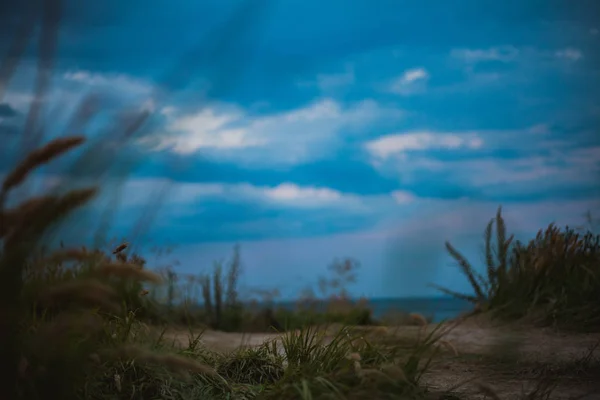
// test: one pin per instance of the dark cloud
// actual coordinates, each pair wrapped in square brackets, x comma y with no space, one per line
[6,111]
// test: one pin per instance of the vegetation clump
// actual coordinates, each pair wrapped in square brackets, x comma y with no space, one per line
[554,279]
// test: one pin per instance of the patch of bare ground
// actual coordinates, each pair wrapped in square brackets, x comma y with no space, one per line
[517,360]
[224,342]
[510,359]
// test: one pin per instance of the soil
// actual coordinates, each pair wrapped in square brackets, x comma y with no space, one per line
[510,359]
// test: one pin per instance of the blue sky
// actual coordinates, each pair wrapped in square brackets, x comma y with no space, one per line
[311,130]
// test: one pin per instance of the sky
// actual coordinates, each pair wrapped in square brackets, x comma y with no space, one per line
[307,131]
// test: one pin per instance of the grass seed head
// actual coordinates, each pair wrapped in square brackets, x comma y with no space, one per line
[38,157]
[70,322]
[69,255]
[171,361]
[81,291]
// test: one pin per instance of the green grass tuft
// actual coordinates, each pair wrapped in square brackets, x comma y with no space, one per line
[553,279]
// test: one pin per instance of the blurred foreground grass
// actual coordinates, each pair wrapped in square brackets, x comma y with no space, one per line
[74,321]
[71,325]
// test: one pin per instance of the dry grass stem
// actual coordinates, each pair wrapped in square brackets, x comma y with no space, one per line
[74,199]
[171,361]
[70,322]
[38,157]
[37,214]
[69,255]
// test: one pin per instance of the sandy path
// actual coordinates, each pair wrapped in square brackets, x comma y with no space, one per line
[480,345]
[511,361]
[221,341]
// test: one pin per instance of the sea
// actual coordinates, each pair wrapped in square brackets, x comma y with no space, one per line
[436,309]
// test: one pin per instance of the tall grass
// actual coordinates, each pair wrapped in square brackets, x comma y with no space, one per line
[70,318]
[220,295]
[352,365]
[553,279]
[56,320]
[70,327]
[213,299]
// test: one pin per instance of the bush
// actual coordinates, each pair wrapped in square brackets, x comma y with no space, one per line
[352,315]
[554,278]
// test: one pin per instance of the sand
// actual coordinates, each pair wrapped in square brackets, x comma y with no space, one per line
[509,358]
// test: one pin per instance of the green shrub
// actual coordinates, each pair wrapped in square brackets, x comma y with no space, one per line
[554,278]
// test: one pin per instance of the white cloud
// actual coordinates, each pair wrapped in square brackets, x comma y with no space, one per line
[69,88]
[289,194]
[412,81]
[498,176]
[414,75]
[403,197]
[136,192]
[397,144]
[569,54]
[292,194]
[208,129]
[290,191]
[120,82]
[140,191]
[287,137]
[501,53]
[547,162]
[525,56]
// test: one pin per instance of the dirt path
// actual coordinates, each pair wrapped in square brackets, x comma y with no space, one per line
[221,341]
[507,359]
[513,361]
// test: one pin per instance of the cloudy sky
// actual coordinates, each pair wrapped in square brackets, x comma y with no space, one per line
[308,130]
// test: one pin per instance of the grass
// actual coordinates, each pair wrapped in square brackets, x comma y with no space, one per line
[72,324]
[213,300]
[56,320]
[303,364]
[73,321]
[553,280]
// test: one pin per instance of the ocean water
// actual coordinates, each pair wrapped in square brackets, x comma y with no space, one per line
[435,308]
